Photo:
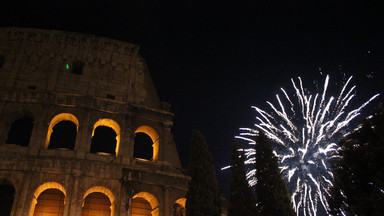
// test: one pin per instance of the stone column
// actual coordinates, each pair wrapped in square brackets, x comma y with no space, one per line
[75,199]
[67,202]
[130,144]
[40,130]
[164,146]
[125,142]
[37,137]
[166,202]
[83,138]
[23,204]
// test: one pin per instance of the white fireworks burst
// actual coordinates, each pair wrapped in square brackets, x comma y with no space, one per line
[304,137]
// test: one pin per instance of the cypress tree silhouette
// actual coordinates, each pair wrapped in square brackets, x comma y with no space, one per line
[242,199]
[203,197]
[271,189]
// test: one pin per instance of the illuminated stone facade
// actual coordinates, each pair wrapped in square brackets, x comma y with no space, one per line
[50,79]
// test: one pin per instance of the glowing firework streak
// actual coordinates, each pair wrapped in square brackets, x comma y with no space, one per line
[305,141]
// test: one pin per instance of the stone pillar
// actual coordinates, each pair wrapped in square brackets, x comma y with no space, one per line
[121,201]
[166,202]
[39,131]
[165,141]
[83,138]
[67,203]
[37,136]
[125,138]
[23,204]
[75,199]
[130,143]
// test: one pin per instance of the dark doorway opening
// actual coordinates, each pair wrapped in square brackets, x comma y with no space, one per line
[143,146]
[63,136]
[7,194]
[104,141]
[20,132]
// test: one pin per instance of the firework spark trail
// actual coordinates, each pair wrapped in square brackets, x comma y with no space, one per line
[305,141]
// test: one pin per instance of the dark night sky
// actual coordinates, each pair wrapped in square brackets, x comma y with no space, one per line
[213,59]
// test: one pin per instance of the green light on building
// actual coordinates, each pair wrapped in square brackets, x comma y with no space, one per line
[67,66]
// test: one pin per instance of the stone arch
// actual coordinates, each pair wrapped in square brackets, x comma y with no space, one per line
[41,189]
[181,201]
[103,190]
[179,207]
[154,137]
[58,118]
[10,118]
[151,199]
[20,131]
[111,124]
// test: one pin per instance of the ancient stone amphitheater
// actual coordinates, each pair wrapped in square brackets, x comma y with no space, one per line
[82,130]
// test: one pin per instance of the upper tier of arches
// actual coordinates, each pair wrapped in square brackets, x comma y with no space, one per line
[63,129]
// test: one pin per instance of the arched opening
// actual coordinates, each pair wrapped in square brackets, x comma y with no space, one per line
[20,131]
[105,137]
[99,195]
[50,203]
[144,204]
[7,194]
[104,141]
[65,131]
[41,189]
[179,207]
[96,203]
[141,207]
[143,146]
[146,144]
[63,136]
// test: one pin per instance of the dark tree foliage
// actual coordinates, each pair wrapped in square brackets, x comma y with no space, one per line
[359,175]
[242,199]
[203,197]
[271,189]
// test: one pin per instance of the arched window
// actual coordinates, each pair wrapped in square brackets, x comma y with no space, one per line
[146,144]
[104,140]
[144,204]
[96,203]
[105,137]
[63,129]
[179,207]
[141,207]
[7,193]
[20,131]
[63,136]
[54,192]
[143,146]
[99,201]
[50,203]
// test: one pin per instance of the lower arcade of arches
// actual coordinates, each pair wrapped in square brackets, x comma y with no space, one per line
[52,199]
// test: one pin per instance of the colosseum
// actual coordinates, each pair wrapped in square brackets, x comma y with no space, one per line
[82,130]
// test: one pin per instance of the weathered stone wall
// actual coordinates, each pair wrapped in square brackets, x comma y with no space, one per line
[34,82]
[38,59]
